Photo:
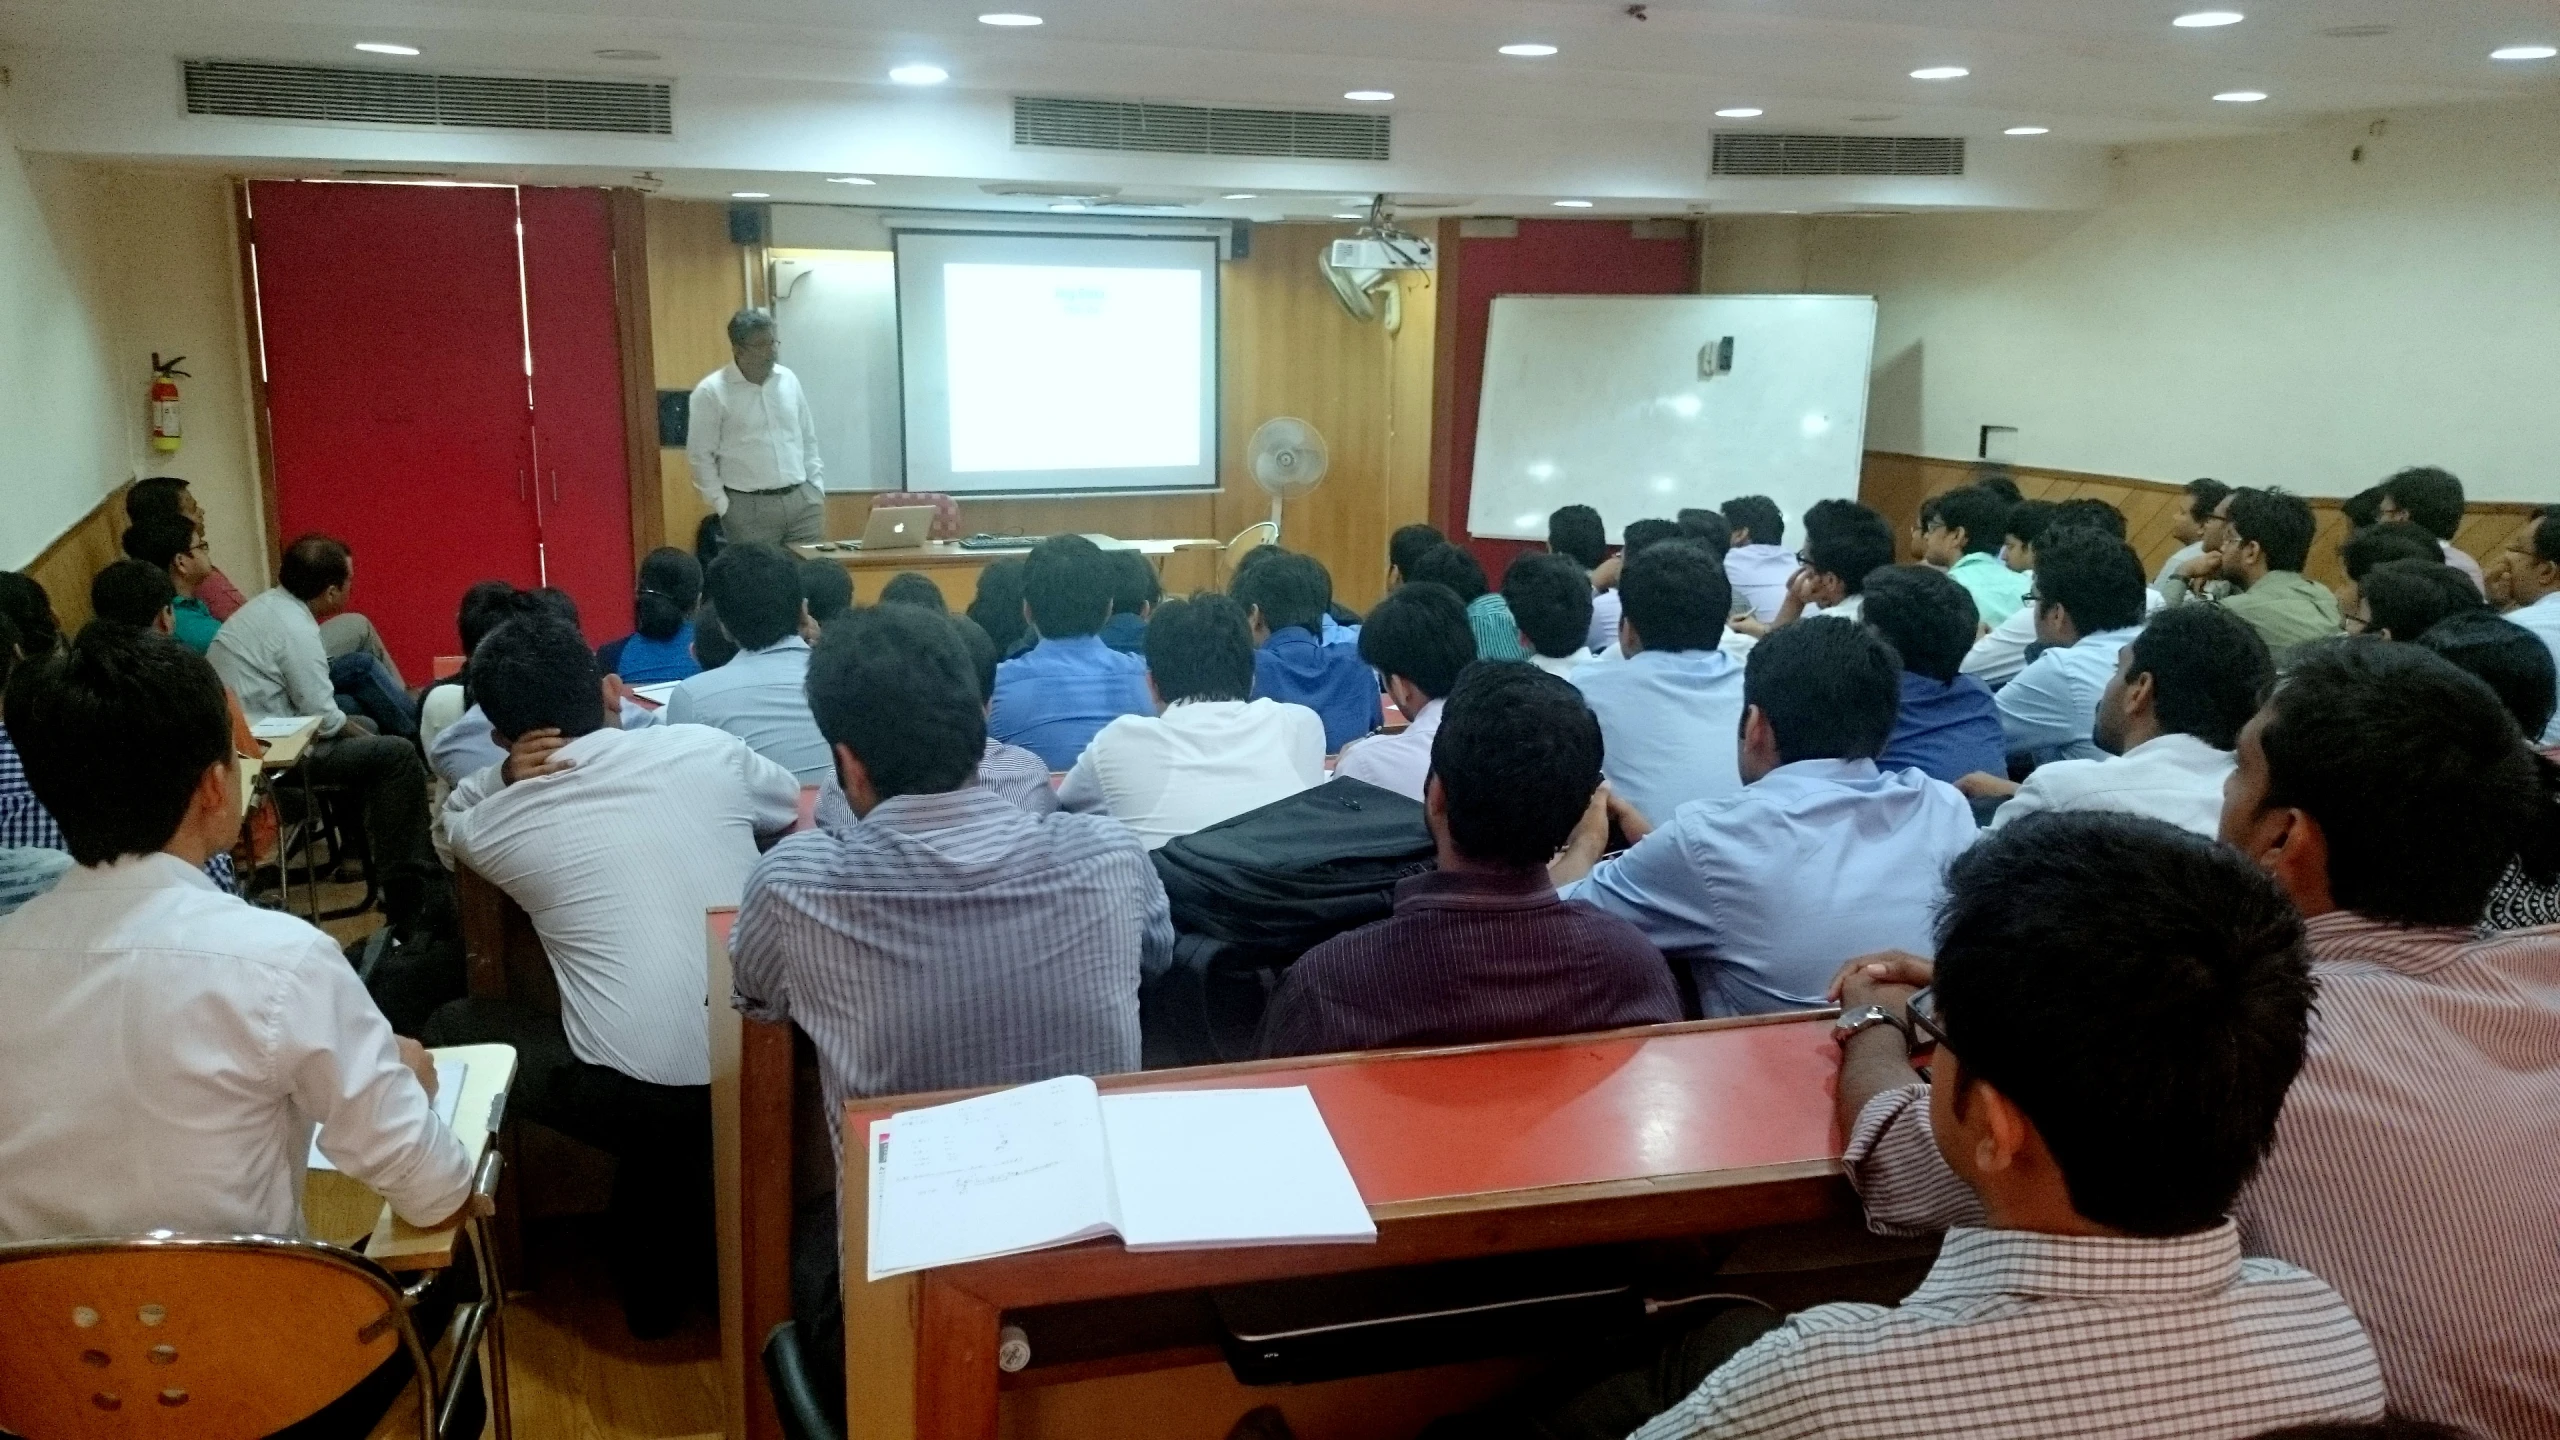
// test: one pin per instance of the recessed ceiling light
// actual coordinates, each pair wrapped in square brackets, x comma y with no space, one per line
[1372,97]
[1069,206]
[385,47]
[2208,19]
[1740,112]
[1241,195]
[1573,204]
[919,75]
[1348,215]
[2026,130]
[750,195]
[2523,52]
[2357,32]
[850,180]
[628,55]
[1530,51]
[2241,97]
[1012,19]
[1940,72]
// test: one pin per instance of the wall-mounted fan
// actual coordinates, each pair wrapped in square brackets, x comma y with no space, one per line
[1287,458]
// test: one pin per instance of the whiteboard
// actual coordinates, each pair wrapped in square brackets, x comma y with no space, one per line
[1597,400]
[836,313]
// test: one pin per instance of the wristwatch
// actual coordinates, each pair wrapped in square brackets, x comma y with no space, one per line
[1853,1023]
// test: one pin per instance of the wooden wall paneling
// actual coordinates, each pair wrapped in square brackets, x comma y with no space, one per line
[627,214]
[66,566]
[1413,430]
[1446,420]
[695,285]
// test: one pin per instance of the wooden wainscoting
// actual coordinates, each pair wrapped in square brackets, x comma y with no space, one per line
[66,566]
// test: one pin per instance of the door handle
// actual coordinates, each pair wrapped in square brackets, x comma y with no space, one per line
[555,484]
[520,483]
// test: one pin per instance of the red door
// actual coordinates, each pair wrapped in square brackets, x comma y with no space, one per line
[391,331]
[583,487]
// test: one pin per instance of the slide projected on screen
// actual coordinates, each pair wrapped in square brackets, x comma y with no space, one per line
[1057,364]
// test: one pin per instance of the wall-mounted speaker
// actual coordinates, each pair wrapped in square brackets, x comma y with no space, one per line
[746,224]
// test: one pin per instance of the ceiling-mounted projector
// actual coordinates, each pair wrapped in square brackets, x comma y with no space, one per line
[1389,250]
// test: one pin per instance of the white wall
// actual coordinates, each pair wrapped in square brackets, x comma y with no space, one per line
[2268,311]
[63,448]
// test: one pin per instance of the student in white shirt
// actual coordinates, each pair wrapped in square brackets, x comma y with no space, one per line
[753,445]
[616,842]
[2430,498]
[1550,599]
[2000,654]
[2088,601]
[1759,564]
[1419,639]
[1577,533]
[1844,542]
[2169,719]
[2198,530]
[1213,754]
[2533,578]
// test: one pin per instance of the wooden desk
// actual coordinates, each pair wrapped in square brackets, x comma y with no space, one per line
[341,1210]
[1186,565]
[1704,1128]
[286,751]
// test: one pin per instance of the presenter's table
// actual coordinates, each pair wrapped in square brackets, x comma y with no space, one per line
[1185,565]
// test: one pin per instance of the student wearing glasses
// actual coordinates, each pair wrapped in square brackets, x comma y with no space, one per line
[173,543]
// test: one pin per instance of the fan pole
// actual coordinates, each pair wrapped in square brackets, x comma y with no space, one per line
[1275,519]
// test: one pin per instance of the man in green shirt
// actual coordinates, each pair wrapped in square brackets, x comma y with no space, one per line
[176,544]
[2266,537]
[1963,538]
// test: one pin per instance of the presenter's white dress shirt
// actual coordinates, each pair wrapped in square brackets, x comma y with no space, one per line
[2177,778]
[1200,762]
[745,436]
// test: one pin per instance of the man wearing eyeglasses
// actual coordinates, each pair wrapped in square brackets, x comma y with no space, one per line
[176,544]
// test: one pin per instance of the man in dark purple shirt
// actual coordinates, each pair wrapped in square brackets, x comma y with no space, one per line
[1481,948]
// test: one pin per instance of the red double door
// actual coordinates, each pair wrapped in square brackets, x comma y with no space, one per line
[444,393]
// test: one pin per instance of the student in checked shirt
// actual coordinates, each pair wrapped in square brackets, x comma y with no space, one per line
[2386,791]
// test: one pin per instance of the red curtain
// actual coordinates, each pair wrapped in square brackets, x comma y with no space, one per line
[584,493]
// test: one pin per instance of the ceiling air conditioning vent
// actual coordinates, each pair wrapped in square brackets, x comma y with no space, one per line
[1756,154]
[1197,129]
[347,94]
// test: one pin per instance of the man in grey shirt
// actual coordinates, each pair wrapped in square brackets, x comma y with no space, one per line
[752,444]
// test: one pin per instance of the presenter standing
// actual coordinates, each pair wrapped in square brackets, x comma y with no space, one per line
[752,444]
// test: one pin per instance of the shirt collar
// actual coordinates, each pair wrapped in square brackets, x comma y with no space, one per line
[155,871]
[2409,949]
[787,642]
[1834,771]
[2122,636]
[1293,637]
[922,814]
[2176,744]
[1077,644]
[1977,1262]
[1475,890]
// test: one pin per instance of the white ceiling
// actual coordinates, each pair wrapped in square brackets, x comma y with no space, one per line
[774,94]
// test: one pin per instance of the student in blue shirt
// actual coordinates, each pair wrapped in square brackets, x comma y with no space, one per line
[660,646]
[1670,710]
[1134,593]
[1284,597]
[1949,726]
[761,695]
[2088,602]
[1055,697]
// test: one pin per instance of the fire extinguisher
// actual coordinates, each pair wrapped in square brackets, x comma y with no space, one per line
[166,431]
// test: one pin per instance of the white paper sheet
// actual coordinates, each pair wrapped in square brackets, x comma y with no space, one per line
[449,1075]
[1199,1168]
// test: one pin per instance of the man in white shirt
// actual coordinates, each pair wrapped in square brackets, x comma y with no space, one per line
[1213,754]
[753,445]
[1551,601]
[2198,530]
[1576,532]
[1669,712]
[761,695]
[2533,571]
[2088,601]
[1849,543]
[1759,564]
[2170,716]
[1419,639]
[616,842]
[2431,498]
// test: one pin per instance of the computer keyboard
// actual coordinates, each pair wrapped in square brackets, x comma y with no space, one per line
[984,541]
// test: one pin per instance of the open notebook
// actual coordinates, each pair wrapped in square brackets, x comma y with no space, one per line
[449,1078]
[1058,1162]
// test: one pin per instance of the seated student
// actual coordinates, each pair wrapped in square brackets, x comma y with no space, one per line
[1964,537]
[1576,532]
[2195,527]
[826,588]
[615,842]
[1705,526]
[1759,564]
[1841,548]
[261,649]
[342,635]
[1135,589]
[2170,715]
[2096,1287]
[1212,754]
[1408,544]
[2087,603]
[758,695]
[470,743]
[1480,948]
[176,548]
[660,645]
[2431,499]
[2404,599]
[2532,571]
[485,606]
[1419,639]
[1550,598]
[32,856]
[1948,726]
[1008,770]
[1284,599]
[2506,658]
[914,587]
[2006,648]
[997,607]
[2266,538]
[1762,893]
[1488,614]
[712,645]
[1055,697]
[1669,710]
[2380,544]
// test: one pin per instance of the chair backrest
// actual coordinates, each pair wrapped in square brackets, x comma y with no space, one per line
[172,1336]
[946,511]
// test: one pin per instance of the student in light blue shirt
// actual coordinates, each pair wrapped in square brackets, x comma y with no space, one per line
[1762,895]
[1759,564]
[1055,697]
[2088,602]
[761,695]
[1670,710]
[1285,597]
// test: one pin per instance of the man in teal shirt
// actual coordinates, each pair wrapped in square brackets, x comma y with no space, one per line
[1963,538]
[173,543]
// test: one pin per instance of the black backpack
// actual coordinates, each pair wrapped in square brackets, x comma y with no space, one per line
[1252,894]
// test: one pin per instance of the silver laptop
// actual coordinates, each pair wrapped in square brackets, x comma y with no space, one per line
[898,527]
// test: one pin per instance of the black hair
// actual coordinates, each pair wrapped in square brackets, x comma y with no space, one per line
[750,321]
[535,672]
[1829,689]
[756,589]
[2508,658]
[2028,519]
[116,732]
[1517,757]
[131,592]
[1200,649]
[2363,508]
[2408,597]
[2209,670]
[2204,496]
[1289,590]
[2431,495]
[893,684]
[1757,514]
[1550,600]
[1454,566]
[914,587]
[553,600]
[983,657]
[997,607]
[158,540]
[2383,542]
[8,651]
[1576,530]
[1134,585]
[2065,930]
[484,607]
[1643,535]
[826,588]
[1831,514]
[1927,618]
[25,606]
[1708,528]
[1998,483]
[1420,632]
[1850,547]
[1067,583]
[1676,595]
[2095,578]
[2279,523]
[1408,544]
[2416,772]
[670,586]
[713,645]
[2085,513]
[313,563]
[154,495]
[1982,515]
